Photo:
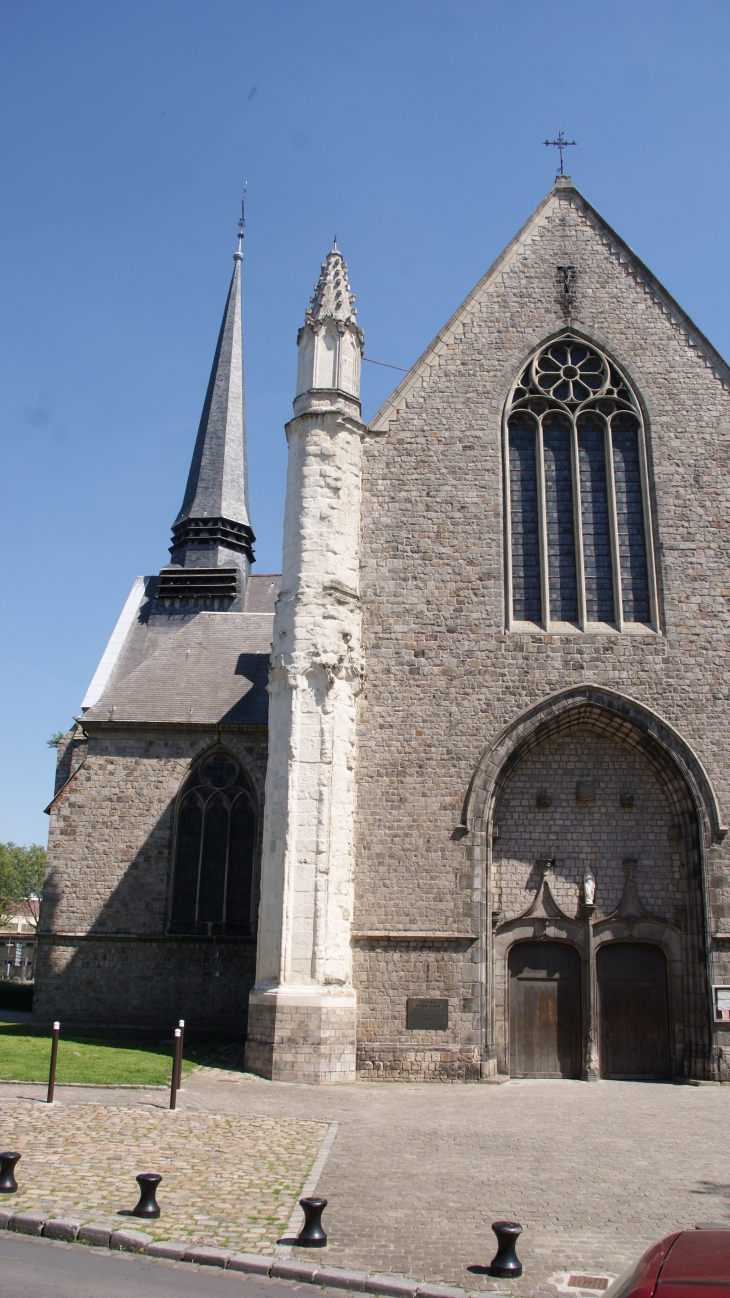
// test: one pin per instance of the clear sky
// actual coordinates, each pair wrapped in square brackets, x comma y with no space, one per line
[411,129]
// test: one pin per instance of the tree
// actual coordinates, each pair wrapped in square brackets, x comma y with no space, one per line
[22,872]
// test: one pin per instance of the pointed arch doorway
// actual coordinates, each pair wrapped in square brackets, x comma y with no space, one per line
[544,1010]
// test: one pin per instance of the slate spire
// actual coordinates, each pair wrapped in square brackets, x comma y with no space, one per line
[213,529]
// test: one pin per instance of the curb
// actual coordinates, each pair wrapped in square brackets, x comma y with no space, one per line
[100,1235]
[89,1086]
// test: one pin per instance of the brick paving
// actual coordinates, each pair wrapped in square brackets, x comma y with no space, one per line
[418,1172]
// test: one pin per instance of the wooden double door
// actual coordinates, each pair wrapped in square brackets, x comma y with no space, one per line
[545,1011]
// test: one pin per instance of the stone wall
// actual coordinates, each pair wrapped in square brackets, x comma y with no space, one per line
[443,677]
[104,960]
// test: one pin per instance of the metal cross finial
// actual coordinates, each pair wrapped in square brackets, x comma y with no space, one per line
[335,243]
[561,143]
[242,219]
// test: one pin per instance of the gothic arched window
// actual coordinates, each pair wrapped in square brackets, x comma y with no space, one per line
[215,838]
[579,545]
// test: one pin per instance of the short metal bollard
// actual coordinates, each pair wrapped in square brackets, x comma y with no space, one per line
[312,1234]
[176,1051]
[181,1025]
[148,1205]
[8,1183]
[505,1262]
[54,1057]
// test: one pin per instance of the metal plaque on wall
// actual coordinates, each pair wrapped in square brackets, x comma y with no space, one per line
[431,1015]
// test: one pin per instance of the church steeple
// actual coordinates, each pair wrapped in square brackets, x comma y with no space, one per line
[213,529]
[330,341]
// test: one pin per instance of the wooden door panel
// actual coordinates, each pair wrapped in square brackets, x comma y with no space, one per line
[632,983]
[545,1032]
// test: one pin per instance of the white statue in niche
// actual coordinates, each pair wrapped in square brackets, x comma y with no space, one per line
[589,888]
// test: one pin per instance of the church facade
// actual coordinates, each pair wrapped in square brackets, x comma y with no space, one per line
[447,799]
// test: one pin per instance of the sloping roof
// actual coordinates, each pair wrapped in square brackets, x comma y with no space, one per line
[213,670]
[563,191]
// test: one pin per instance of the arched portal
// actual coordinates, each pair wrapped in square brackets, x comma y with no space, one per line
[595,818]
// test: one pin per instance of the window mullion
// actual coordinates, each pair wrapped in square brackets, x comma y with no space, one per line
[200,858]
[507,525]
[648,537]
[618,607]
[542,523]
[580,575]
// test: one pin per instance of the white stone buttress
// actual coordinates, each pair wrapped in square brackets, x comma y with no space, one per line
[302,1010]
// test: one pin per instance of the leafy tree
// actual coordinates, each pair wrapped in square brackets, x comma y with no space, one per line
[55,739]
[22,872]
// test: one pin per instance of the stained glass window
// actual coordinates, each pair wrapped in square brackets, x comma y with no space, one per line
[215,837]
[578,546]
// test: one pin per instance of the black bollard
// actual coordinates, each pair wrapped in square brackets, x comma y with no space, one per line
[176,1066]
[148,1205]
[312,1234]
[8,1183]
[181,1026]
[52,1069]
[505,1262]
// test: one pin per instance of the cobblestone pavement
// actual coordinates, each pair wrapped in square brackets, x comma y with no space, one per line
[594,1172]
[226,1179]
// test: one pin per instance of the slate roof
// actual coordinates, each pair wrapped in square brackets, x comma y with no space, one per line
[202,669]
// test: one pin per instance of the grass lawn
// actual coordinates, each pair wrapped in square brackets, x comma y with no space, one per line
[25,1058]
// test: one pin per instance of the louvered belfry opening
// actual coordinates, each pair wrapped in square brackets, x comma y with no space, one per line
[578,540]
[215,837]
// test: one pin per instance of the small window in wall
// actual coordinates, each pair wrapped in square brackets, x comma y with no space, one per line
[579,550]
[215,838]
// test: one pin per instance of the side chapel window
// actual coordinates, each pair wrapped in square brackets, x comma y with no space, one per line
[215,836]
[579,538]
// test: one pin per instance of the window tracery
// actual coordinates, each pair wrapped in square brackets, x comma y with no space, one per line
[579,533]
[215,838]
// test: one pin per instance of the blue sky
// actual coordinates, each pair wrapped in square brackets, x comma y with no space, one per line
[411,130]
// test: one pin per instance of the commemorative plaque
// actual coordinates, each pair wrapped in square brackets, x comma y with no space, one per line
[428,1015]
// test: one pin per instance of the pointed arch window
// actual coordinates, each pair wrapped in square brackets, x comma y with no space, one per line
[579,549]
[215,840]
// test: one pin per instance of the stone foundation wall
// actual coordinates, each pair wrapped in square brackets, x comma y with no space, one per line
[301,1043]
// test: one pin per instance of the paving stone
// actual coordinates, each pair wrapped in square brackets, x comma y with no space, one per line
[5,1215]
[251,1263]
[27,1223]
[131,1241]
[285,1270]
[227,1181]
[166,1248]
[94,1232]
[62,1228]
[206,1256]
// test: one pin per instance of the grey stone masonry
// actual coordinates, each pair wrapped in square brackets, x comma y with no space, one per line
[447,685]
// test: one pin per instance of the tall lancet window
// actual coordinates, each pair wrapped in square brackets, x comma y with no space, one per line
[215,839]
[579,549]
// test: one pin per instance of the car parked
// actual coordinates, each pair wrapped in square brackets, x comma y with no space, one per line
[688,1264]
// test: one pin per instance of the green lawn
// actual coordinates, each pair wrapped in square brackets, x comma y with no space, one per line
[25,1058]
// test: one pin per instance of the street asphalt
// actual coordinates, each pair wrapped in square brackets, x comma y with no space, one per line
[44,1268]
